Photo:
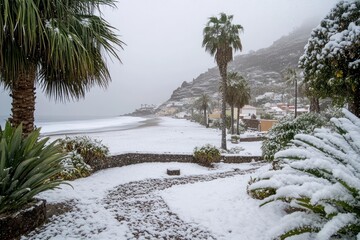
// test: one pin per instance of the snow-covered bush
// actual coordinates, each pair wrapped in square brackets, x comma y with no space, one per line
[319,183]
[82,153]
[207,155]
[280,135]
[74,167]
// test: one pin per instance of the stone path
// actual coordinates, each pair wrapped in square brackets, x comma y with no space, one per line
[148,216]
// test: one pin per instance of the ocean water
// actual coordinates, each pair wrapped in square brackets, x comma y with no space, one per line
[48,119]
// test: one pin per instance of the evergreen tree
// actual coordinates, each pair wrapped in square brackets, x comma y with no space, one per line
[331,61]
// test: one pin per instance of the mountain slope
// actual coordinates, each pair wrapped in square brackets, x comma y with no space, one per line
[262,69]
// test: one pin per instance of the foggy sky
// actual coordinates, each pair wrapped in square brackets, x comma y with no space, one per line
[164,49]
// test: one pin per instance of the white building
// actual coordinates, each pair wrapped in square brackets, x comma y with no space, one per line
[248,111]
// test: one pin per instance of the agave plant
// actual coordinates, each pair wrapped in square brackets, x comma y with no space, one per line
[319,182]
[27,166]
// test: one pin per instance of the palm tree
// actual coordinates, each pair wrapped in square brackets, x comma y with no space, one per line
[243,98]
[58,45]
[237,95]
[203,103]
[292,78]
[221,38]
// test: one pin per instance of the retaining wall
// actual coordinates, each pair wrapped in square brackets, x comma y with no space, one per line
[134,158]
[32,215]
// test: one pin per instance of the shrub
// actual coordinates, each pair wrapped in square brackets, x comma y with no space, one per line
[74,167]
[319,181]
[83,153]
[27,167]
[235,138]
[281,134]
[207,155]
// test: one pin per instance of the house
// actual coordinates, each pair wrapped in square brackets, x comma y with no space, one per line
[247,111]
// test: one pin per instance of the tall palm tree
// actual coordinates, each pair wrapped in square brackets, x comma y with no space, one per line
[243,98]
[220,39]
[203,103]
[57,45]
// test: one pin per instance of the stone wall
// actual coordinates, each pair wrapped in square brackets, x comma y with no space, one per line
[134,158]
[32,215]
[251,139]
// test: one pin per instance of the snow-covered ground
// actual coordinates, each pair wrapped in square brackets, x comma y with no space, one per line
[220,206]
[212,205]
[153,135]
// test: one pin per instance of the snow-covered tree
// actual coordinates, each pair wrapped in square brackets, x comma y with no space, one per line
[319,183]
[280,135]
[331,61]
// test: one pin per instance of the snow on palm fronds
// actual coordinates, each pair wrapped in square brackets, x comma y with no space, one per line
[319,182]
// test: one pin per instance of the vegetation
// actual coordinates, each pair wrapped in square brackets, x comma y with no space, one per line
[82,154]
[27,167]
[267,116]
[318,181]
[57,45]
[331,61]
[237,95]
[280,135]
[243,98]
[203,103]
[207,155]
[221,38]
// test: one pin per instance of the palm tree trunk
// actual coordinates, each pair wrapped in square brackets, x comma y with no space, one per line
[296,96]
[237,121]
[23,99]
[354,105]
[232,120]
[314,104]
[205,118]
[223,73]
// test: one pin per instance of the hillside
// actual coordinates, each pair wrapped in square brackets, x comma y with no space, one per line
[262,69]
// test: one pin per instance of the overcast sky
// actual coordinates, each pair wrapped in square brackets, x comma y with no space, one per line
[164,49]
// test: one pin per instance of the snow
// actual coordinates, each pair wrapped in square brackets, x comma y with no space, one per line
[224,207]
[85,126]
[230,212]
[151,135]
[225,201]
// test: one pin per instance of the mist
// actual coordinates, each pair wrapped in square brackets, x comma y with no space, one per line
[164,49]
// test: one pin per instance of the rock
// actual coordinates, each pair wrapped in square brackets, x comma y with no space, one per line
[172,172]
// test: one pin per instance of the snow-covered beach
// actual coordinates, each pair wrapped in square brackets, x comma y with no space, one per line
[200,204]
[150,135]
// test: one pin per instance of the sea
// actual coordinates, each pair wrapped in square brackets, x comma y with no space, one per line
[38,119]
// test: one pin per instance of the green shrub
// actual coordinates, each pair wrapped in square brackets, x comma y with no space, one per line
[207,155]
[82,154]
[27,167]
[235,138]
[319,181]
[281,134]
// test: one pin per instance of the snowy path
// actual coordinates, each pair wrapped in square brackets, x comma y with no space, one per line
[148,216]
[133,210]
